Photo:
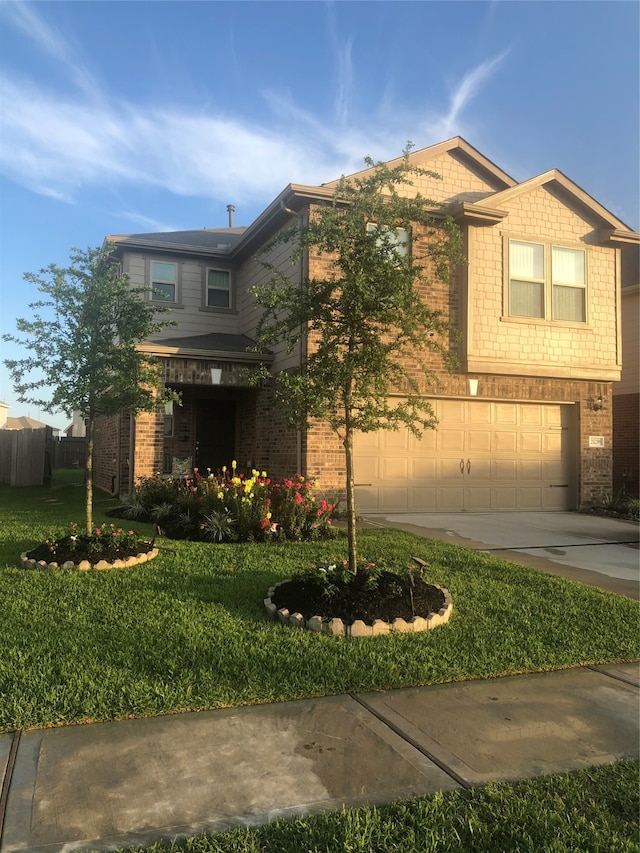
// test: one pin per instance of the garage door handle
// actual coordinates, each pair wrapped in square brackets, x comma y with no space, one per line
[558,485]
[462,466]
[468,466]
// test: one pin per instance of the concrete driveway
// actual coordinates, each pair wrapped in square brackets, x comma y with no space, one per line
[599,551]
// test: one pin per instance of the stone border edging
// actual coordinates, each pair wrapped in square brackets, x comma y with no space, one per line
[337,628]
[85,565]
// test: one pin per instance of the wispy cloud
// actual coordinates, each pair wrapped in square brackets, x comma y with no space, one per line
[93,140]
[50,40]
[466,90]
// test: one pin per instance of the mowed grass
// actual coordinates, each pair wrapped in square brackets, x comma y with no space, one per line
[188,630]
[588,811]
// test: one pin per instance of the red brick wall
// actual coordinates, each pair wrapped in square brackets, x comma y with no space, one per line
[626,443]
[105,454]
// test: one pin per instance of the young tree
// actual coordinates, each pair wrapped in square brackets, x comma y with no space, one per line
[83,354]
[366,323]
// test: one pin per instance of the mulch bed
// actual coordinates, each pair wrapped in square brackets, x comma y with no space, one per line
[76,550]
[393,597]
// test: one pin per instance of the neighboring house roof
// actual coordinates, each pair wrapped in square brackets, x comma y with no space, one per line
[207,345]
[24,422]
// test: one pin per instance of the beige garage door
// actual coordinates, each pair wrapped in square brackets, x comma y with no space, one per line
[482,456]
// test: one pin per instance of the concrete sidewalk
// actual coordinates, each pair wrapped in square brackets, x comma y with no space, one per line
[107,785]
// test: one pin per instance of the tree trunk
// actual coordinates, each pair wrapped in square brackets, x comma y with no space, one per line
[351,501]
[89,474]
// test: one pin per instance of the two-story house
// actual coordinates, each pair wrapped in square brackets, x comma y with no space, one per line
[524,422]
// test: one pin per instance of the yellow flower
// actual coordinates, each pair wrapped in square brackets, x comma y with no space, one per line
[264,475]
[220,496]
[234,464]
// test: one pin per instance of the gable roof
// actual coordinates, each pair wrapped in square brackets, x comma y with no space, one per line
[458,146]
[611,227]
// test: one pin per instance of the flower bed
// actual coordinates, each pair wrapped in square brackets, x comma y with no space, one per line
[329,598]
[231,507]
[107,547]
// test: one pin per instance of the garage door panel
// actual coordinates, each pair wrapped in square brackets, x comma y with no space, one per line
[504,441]
[367,468]
[530,442]
[450,499]
[424,499]
[452,411]
[504,470]
[505,414]
[504,498]
[480,413]
[530,498]
[395,468]
[449,468]
[531,416]
[479,470]
[423,469]
[530,469]
[395,440]
[451,440]
[478,499]
[479,441]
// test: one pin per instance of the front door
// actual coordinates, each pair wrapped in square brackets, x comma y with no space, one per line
[215,434]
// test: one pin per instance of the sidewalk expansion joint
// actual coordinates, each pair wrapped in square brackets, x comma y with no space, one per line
[6,780]
[412,742]
[617,676]
[544,547]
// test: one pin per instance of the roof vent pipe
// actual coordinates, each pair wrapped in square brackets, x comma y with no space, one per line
[231,210]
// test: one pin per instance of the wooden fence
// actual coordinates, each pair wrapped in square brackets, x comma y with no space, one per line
[22,456]
[28,456]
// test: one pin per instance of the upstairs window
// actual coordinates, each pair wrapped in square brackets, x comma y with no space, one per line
[569,285]
[526,279]
[547,282]
[218,289]
[398,238]
[164,280]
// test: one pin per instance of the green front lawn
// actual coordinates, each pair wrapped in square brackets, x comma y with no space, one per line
[589,811]
[188,630]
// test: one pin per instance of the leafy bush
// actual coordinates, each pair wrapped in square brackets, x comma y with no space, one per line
[231,507]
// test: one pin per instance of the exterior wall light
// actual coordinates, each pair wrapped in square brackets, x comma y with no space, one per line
[473,386]
[216,375]
[596,404]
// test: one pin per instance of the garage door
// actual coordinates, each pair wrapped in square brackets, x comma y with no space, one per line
[482,456]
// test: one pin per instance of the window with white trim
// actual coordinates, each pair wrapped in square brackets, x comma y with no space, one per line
[547,282]
[218,288]
[164,281]
[398,238]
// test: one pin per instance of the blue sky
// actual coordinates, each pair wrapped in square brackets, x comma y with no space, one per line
[124,117]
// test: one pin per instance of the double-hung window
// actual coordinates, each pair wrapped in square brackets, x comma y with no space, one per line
[218,289]
[547,282]
[568,278]
[164,281]
[396,238]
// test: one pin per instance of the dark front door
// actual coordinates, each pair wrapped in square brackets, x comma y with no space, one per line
[215,434]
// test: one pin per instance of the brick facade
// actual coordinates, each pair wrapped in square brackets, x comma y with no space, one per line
[626,457]
[514,359]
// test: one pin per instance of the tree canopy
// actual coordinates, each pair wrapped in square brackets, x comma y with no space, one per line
[82,343]
[366,327]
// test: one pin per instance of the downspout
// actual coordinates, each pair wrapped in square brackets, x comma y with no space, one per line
[291,212]
[132,445]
